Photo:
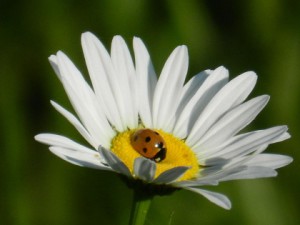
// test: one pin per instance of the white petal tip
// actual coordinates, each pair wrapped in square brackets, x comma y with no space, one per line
[221,70]
[52,59]
[87,35]
[60,54]
[37,137]
[288,160]
[184,49]
[42,138]
[216,198]
[53,103]
[251,75]
[138,43]
[136,38]
[117,38]
[222,67]
[266,98]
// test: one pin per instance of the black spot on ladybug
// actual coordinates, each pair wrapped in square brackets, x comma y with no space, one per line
[156,133]
[148,139]
[144,150]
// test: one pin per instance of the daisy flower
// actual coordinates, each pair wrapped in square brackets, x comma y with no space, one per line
[162,131]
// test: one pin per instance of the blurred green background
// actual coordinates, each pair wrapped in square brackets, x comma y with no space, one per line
[38,188]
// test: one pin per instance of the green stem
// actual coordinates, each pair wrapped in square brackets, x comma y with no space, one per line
[140,207]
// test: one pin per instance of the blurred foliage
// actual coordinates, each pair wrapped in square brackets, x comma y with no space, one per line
[38,188]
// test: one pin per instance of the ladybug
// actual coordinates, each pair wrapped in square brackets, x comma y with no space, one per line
[149,144]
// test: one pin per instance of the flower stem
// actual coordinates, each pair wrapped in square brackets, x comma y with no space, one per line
[140,207]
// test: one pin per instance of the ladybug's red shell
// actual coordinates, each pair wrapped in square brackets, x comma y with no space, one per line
[149,144]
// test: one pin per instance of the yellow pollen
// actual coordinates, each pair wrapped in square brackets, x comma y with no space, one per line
[178,154]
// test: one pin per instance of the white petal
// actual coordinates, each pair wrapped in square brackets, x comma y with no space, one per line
[71,151]
[244,144]
[144,169]
[273,161]
[233,121]
[218,172]
[195,105]
[84,101]
[195,183]
[218,169]
[238,168]
[191,88]
[61,141]
[79,158]
[216,198]
[283,137]
[123,66]
[169,88]
[147,80]
[101,72]
[75,122]
[171,175]
[53,62]
[232,94]
[251,173]
[114,162]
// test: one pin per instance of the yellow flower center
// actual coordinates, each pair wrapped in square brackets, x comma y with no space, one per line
[178,154]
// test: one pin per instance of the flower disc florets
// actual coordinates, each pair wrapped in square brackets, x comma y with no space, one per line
[178,154]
